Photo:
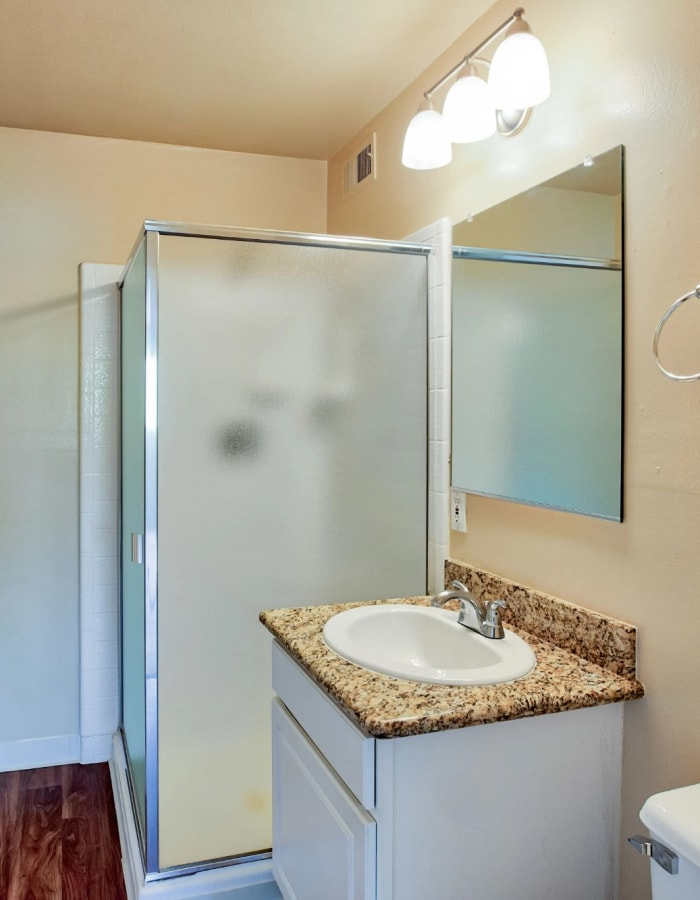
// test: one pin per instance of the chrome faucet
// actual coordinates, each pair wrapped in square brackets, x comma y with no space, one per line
[485,618]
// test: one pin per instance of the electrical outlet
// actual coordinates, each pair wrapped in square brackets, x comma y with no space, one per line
[458,505]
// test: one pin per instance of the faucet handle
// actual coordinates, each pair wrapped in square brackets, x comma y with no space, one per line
[492,619]
[493,616]
[460,586]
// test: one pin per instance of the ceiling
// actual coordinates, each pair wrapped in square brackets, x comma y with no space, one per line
[283,77]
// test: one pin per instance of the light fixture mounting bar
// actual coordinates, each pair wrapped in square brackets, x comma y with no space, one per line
[475,52]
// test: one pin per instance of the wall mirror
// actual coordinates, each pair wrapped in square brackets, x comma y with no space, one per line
[537,316]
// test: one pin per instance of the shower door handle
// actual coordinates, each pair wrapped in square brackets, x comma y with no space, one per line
[137,549]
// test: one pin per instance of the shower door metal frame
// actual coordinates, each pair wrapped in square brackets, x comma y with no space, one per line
[152,230]
[487,254]
[148,831]
[151,550]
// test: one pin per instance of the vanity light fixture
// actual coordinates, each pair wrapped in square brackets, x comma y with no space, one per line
[427,143]
[475,108]
[468,110]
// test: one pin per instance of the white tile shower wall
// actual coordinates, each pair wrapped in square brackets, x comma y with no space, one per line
[99,496]
[439,235]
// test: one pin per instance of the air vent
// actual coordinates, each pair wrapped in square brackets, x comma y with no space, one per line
[361,167]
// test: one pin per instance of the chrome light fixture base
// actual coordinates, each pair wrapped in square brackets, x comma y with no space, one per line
[510,122]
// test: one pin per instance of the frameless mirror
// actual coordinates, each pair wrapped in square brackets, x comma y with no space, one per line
[537,285]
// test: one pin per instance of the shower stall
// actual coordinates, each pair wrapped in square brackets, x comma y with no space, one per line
[274,453]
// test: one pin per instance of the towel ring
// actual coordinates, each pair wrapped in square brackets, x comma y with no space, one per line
[669,312]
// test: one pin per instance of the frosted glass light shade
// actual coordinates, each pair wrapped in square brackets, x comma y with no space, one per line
[519,76]
[469,113]
[426,145]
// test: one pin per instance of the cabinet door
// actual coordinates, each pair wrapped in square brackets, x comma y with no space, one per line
[324,843]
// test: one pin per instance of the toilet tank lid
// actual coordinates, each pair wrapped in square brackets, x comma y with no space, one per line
[674,818]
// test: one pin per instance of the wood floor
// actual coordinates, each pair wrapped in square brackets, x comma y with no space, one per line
[58,835]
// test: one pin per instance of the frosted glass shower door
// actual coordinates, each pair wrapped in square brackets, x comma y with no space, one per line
[133,375]
[292,470]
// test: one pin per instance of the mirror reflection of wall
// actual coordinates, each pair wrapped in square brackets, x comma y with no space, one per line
[537,345]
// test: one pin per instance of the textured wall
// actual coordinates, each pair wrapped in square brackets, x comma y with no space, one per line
[621,74]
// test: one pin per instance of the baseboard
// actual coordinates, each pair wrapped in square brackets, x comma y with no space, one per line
[35,753]
[247,881]
[95,748]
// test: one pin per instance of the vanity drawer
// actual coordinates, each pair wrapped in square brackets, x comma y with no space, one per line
[345,747]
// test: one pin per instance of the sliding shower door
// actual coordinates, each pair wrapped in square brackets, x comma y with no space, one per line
[292,470]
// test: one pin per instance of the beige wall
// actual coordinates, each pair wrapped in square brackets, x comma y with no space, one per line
[546,220]
[65,200]
[622,73]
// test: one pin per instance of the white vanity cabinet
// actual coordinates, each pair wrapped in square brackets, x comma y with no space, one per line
[527,808]
[325,842]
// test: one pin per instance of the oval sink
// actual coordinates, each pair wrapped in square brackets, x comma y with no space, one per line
[422,643]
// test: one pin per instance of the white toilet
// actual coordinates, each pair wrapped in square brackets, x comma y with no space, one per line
[673,820]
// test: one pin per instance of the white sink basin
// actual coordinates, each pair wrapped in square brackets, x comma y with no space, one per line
[422,643]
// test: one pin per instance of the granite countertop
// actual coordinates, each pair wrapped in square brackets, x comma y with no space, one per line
[386,707]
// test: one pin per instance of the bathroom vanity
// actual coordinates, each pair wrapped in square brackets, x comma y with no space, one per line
[381,792]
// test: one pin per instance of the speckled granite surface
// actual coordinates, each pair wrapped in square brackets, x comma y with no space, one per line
[387,707]
[599,639]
